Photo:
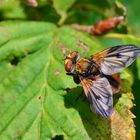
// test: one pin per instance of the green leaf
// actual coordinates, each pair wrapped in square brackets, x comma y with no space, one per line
[7,10]
[62,7]
[38,100]
[132,15]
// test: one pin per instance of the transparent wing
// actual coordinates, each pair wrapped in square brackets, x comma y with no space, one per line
[115,59]
[99,93]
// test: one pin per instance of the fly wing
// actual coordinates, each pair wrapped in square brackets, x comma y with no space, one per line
[115,59]
[99,93]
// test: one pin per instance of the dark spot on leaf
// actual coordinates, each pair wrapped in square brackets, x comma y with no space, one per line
[14,60]
[39,97]
[58,137]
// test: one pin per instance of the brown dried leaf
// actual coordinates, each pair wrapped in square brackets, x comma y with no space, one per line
[122,125]
[101,27]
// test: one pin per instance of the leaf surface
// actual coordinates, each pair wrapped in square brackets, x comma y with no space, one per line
[38,100]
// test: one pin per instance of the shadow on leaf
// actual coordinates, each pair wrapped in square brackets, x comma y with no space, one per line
[95,126]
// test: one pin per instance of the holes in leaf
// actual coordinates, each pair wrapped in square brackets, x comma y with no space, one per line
[58,137]
[14,60]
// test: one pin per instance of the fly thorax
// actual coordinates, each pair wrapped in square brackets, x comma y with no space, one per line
[86,67]
[82,66]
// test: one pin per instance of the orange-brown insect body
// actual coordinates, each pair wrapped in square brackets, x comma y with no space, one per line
[86,67]
[82,66]
[98,74]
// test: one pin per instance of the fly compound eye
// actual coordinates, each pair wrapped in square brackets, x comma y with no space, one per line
[68,65]
[74,54]
[70,61]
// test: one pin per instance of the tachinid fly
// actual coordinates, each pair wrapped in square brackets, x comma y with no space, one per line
[98,74]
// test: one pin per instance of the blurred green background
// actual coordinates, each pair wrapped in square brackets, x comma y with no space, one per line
[84,12]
